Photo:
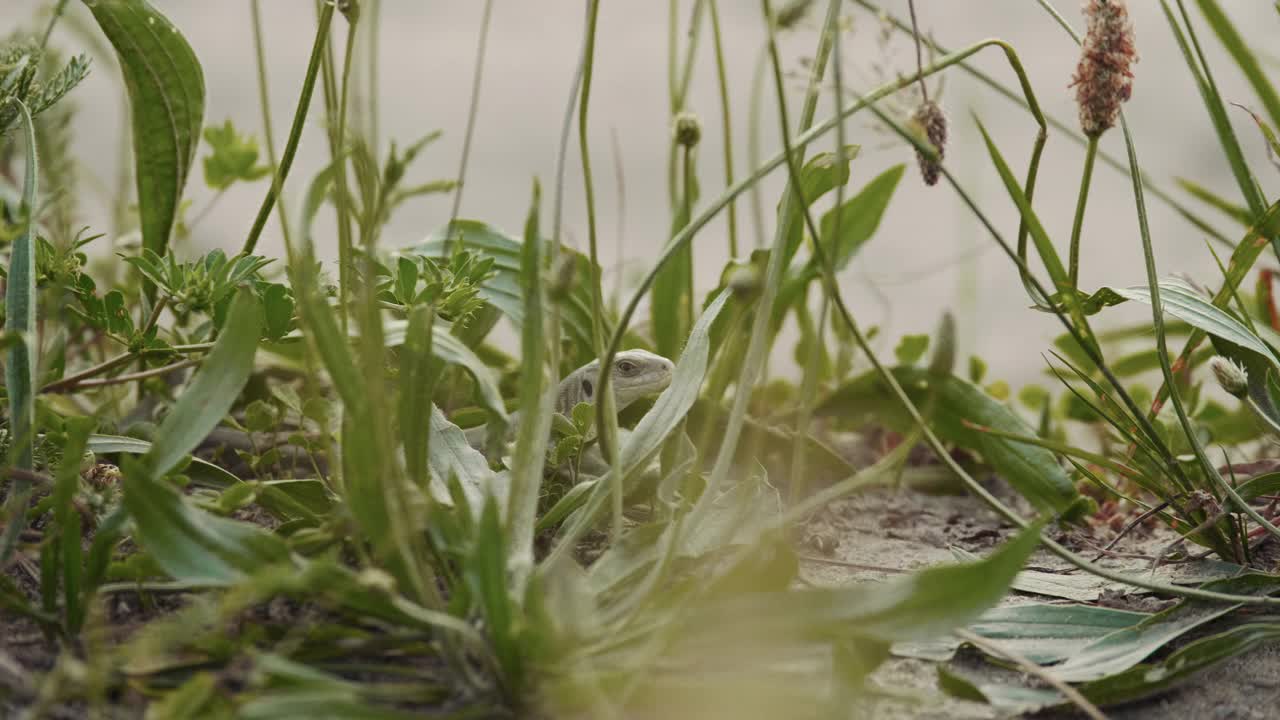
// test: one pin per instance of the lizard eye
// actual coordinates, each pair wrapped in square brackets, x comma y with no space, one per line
[626,367]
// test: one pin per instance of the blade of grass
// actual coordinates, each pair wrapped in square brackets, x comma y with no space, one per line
[23,356]
[537,404]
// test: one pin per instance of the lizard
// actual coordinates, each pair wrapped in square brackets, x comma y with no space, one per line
[636,374]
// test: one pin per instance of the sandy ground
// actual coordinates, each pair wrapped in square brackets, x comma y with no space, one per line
[897,529]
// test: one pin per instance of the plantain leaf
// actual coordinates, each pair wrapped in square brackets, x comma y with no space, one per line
[1040,632]
[959,409]
[166,101]
[1123,649]
[859,217]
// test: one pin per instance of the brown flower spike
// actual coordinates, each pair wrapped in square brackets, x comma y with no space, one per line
[1103,79]
[930,118]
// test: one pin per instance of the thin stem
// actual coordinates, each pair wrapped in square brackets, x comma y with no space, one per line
[269,135]
[1031,668]
[373,14]
[686,210]
[727,128]
[584,149]
[472,112]
[140,375]
[915,31]
[753,144]
[1073,259]
[619,254]
[809,384]
[73,381]
[606,403]
[295,132]
[53,21]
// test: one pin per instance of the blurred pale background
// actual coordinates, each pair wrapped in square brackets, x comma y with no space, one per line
[930,253]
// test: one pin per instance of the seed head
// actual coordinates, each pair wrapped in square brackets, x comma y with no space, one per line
[1230,376]
[1103,79]
[933,123]
[688,130]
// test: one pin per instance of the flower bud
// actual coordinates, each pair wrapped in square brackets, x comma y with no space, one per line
[688,130]
[1230,376]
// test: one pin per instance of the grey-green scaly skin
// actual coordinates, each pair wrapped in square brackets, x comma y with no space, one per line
[636,374]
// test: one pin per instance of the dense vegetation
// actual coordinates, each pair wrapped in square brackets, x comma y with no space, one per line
[239,486]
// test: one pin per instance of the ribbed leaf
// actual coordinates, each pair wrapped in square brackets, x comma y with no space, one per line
[166,101]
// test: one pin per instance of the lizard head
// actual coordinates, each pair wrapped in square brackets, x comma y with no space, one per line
[639,374]
[636,374]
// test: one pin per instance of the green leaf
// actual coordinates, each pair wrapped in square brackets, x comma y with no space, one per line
[957,407]
[1124,649]
[1149,679]
[859,217]
[418,378]
[190,544]
[1214,105]
[66,483]
[536,400]
[1042,633]
[23,357]
[452,457]
[234,157]
[911,348]
[1185,303]
[213,390]
[1244,57]
[1208,197]
[503,290]
[819,176]
[166,100]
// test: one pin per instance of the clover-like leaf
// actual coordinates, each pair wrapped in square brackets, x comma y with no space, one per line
[234,157]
